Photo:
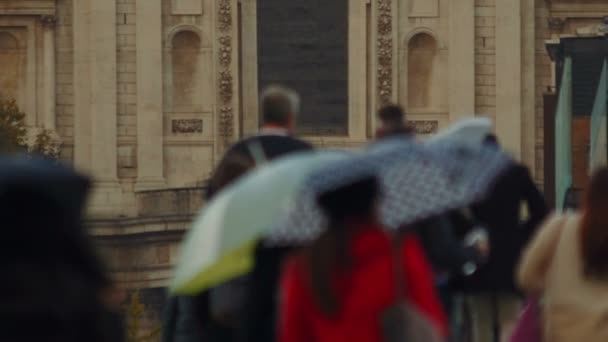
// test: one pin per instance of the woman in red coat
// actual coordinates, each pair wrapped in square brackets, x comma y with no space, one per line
[338,289]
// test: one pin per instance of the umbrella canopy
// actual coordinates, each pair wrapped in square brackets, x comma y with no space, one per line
[220,244]
[418,181]
[470,131]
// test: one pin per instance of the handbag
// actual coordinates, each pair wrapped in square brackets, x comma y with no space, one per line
[402,321]
[528,327]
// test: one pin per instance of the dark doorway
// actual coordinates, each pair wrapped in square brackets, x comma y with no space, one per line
[304,45]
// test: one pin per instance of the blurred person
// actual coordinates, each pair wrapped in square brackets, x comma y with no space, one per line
[339,287]
[492,294]
[54,287]
[567,264]
[280,107]
[392,122]
[215,315]
[441,236]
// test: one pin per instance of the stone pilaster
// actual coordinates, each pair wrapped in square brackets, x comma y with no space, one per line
[95,98]
[149,95]
[249,63]
[462,59]
[528,89]
[103,90]
[509,75]
[82,85]
[357,72]
[48,110]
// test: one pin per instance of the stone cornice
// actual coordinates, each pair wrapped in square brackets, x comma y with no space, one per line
[27,7]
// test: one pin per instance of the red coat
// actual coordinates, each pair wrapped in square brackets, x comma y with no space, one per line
[363,293]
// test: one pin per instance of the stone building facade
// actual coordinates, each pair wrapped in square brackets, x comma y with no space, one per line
[146,94]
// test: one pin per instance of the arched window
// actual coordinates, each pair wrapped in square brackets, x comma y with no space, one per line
[422,50]
[186,66]
[12,60]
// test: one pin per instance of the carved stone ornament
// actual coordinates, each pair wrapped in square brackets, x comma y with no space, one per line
[225,86]
[226,112]
[48,21]
[385,20]
[187,126]
[425,126]
[385,51]
[225,51]
[556,24]
[225,15]
[226,123]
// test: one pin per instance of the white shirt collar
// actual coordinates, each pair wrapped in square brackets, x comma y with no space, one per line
[274,131]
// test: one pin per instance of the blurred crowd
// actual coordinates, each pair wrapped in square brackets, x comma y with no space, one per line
[502,268]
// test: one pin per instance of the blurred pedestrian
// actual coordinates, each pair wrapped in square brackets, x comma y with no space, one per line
[567,264]
[439,235]
[216,315]
[494,298]
[54,288]
[339,288]
[392,122]
[280,107]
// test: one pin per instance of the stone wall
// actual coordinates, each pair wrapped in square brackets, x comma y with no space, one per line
[485,58]
[64,79]
[544,81]
[127,89]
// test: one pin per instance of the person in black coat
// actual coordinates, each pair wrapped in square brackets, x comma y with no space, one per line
[197,318]
[54,288]
[500,213]
[495,296]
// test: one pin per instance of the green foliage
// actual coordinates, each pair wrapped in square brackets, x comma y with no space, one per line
[135,311]
[45,145]
[14,133]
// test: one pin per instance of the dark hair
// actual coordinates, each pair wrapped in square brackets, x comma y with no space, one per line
[330,252]
[393,120]
[279,104]
[491,140]
[594,226]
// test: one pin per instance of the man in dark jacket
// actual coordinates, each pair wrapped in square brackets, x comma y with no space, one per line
[243,308]
[496,295]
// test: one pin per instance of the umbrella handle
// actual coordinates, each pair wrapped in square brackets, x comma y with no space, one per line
[257,152]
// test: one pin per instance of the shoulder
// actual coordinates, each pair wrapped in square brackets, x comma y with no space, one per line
[286,140]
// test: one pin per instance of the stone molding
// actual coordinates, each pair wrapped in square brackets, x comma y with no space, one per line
[385,51]
[187,126]
[556,24]
[425,126]
[225,78]
[48,21]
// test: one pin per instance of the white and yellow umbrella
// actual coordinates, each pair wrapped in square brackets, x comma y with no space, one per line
[220,244]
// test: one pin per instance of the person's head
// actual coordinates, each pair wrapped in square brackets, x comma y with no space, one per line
[56,279]
[392,122]
[279,106]
[491,140]
[594,230]
[345,207]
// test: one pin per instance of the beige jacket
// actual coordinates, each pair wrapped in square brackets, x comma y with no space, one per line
[575,308]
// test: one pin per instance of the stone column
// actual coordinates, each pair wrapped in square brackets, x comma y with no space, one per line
[103,90]
[357,72]
[462,59]
[82,85]
[48,110]
[149,95]
[249,62]
[529,84]
[508,75]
